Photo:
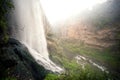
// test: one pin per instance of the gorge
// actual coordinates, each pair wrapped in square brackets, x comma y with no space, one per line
[59,40]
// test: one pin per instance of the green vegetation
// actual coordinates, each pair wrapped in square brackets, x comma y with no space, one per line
[63,52]
[52,77]
[9,78]
[76,72]
[100,55]
[5,7]
[107,57]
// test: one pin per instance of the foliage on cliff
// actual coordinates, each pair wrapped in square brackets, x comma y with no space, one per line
[5,7]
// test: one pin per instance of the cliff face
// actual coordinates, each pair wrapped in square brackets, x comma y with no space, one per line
[97,28]
[16,62]
[100,39]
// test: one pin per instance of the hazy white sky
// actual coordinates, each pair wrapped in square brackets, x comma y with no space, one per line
[58,10]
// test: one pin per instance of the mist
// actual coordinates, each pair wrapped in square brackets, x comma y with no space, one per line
[60,10]
[60,40]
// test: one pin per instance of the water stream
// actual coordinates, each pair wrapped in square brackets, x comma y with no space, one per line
[80,58]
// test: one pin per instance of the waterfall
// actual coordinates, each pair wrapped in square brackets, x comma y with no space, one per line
[26,22]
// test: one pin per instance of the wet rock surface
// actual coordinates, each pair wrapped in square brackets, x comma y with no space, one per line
[16,61]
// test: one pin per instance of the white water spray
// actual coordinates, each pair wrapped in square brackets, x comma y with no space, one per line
[26,23]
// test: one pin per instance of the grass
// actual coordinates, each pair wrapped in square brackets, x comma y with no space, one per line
[74,71]
[102,56]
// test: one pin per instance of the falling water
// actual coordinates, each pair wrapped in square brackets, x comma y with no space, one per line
[27,26]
